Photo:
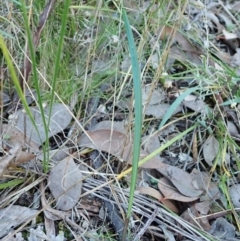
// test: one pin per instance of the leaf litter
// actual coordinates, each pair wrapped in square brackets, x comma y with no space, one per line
[206,38]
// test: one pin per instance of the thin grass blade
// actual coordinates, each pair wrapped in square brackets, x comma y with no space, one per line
[175,104]
[137,107]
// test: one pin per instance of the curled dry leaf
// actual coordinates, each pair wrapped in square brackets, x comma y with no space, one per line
[114,142]
[156,194]
[181,180]
[65,183]
[170,192]
[210,150]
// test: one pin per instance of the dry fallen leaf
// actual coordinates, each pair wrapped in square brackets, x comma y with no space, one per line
[110,141]
[6,160]
[170,192]
[210,150]
[186,57]
[232,129]
[159,110]
[197,105]
[234,192]
[23,157]
[156,194]
[235,61]
[150,143]
[223,230]
[153,102]
[202,181]
[11,134]
[108,125]
[65,183]
[14,216]
[196,215]
[181,180]
[155,97]
[60,119]
[153,163]
[166,31]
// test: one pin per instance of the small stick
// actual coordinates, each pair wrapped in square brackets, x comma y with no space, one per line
[147,224]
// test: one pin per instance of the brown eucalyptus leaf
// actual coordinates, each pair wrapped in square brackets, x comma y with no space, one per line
[181,180]
[5,161]
[196,215]
[167,31]
[23,157]
[156,194]
[110,125]
[154,163]
[65,183]
[176,53]
[210,149]
[12,135]
[110,141]
[8,159]
[170,192]
[202,181]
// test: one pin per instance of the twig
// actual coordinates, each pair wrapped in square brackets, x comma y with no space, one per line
[147,224]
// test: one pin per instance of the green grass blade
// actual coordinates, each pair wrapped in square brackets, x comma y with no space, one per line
[137,108]
[11,183]
[36,84]
[158,151]
[58,54]
[166,145]
[175,104]
[16,81]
